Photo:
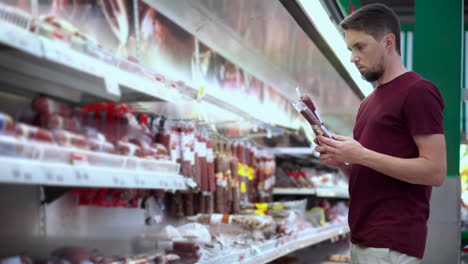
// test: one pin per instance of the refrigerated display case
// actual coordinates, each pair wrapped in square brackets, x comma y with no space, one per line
[123,119]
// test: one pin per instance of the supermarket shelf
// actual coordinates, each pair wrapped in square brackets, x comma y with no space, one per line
[333,192]
[49,66]
[294,191]
[293,151]
[276,248]
[330,192]
[24,171]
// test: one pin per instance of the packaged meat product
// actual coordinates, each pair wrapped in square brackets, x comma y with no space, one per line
[210,167]
[24,131]
[189,203]
[167,259]
[73,255]
[175,143]
[177,205]
[196,232]
[235,186]
[185,246]
[101,145]
[195,256]
[250,222]
[202,203]
[146,149]
[242,176]
[55,121]
[69,139]
[220,167]
[7,125]
[161,151]
[44,105]
[210,203]
[128,149]
[307,108]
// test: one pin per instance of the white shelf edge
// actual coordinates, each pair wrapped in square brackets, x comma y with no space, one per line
[31,172]
[332,192]
[294,191]
[300,242]
[293,151]
[276,248]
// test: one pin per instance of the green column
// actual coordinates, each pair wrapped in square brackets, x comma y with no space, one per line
[346,3]
[438,58]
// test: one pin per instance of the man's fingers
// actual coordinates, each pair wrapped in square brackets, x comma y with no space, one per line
[320,149]
[340,138]
[329,142]
[316,141]
[325,156]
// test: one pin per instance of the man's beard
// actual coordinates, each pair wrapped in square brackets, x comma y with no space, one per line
[372,76]
[374,73]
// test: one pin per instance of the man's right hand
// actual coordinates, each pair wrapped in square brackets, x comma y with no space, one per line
[327,159]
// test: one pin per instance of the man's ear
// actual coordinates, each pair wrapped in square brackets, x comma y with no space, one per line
[390,40]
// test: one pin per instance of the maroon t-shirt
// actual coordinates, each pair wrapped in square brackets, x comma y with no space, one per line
[385,212]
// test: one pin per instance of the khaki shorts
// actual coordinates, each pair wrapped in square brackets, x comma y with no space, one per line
[367,255]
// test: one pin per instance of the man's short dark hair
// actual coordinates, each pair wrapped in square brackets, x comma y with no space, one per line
[376,20]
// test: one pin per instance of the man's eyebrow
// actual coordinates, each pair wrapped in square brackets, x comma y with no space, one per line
[355,44]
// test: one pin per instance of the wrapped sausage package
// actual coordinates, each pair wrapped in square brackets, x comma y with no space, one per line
[307,108]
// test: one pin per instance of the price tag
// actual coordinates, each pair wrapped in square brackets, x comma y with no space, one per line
[261,212]
[200,92]
[261,206]
[243,187]
[250,173]
[277,207]
[240,169]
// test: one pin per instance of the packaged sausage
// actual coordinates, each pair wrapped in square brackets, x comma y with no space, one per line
[161,151]
[44,105]
[24,131]
[241,170]
[210,203]
[128,149]
[101,145]
[69,139]
[7,126]
[251,222]
[183,246]
[202,202]
[210,167]
[55,121]
[307,108]
[167,259]
[220,168]
[177,205]
[189,204]
[194,256]
[204,181]
[235,185]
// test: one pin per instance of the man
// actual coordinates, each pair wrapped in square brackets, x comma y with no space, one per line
[398,151]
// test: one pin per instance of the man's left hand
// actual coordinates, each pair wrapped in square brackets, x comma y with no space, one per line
[344,149]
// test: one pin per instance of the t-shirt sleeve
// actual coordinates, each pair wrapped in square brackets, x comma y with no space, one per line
[423,109]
